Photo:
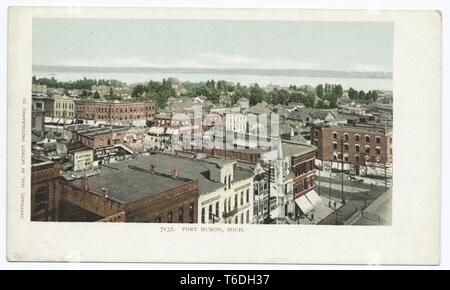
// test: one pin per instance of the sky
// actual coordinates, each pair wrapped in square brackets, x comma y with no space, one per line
[342,46]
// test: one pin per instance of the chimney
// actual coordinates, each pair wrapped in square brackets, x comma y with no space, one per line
[175,172]
[152,168]
[105,192]
[85,183]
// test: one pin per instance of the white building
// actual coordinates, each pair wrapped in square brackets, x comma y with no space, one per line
[236,122]
[225,189]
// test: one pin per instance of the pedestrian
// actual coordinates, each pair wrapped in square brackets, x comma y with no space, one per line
[329,203]
[335,205]
[312,217]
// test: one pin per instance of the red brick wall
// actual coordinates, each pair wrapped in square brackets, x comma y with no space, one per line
[143,210]
[160,204]
[304,170]
[323,138]
[45,192]
[109,111]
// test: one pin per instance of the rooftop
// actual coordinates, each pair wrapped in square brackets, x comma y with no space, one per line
[126,183]
[131,180]
[295,149]
[91,131]
[195,169]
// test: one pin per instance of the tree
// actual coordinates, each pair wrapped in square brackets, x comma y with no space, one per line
[309,100]
[257,95]
[353,94]
[96,95]
[319,91]
[138,92]
[362,95]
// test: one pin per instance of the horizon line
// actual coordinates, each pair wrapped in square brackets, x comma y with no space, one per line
[244,71]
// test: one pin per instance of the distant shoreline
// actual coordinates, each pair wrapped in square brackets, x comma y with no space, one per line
[237,71]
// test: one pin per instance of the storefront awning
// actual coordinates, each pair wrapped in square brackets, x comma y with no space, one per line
[314,198]
[304,204]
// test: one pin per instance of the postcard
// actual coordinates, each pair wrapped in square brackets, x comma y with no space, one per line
[224,135]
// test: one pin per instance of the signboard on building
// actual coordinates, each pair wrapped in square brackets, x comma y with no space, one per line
[82,160]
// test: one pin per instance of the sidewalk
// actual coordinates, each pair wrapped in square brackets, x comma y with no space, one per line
[320,212]
[337,176]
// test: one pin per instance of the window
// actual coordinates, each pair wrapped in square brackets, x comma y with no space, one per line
[378,139]
[226,180]
[203,215]
[305,184]
[346,158]
[242,197]
[357,159]
[367,138]
[334,157]
[247,196]
[217,209]
[170,217]
[335,135]
[346,136]
[248,216]
[210,212]
[225,206]
[334,145]
[180,215]
[236,220]
[357,148]
[367,149]
[242,218]
[378,150]
[356,137]
[345,146]
[235,201]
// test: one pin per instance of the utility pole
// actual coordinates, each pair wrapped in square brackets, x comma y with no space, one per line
[342,171]
[319,179]
[268,218]
[385,177]
[331,170]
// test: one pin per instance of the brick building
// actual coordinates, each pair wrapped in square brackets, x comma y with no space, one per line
[293,173]
[114,111]
[47,104]
[130,193]
[355,146]
[45,193]
[95,137]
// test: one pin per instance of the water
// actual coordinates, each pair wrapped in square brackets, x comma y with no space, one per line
[245,79]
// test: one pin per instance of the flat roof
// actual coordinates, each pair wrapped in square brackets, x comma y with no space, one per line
[126,184]
[99,130]
[194,169]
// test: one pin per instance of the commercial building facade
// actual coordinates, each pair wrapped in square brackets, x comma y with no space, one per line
[119,112]
[133,192]
[355,146]
[45,190]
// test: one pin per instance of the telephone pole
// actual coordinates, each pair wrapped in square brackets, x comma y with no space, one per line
[342,171]
[268,219]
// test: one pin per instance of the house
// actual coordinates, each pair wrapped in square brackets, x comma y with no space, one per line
[308,116]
